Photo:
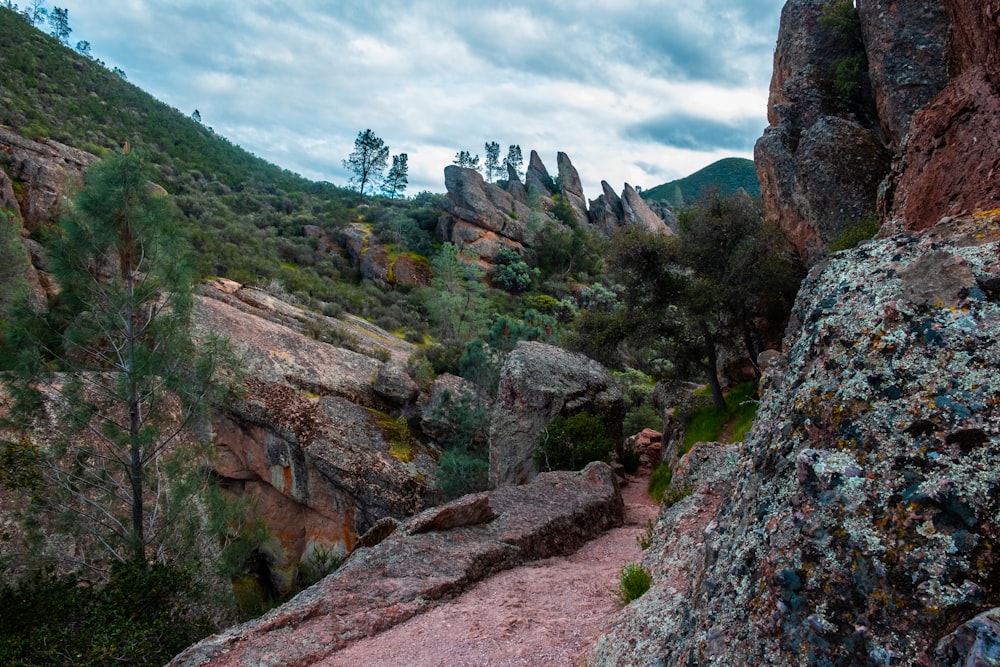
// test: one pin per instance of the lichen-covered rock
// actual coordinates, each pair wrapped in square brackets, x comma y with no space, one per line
[411,571]
[973,644]
[860,525]
[538,383]
[481,216]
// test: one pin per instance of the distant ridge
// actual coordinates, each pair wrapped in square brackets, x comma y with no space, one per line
[728,175]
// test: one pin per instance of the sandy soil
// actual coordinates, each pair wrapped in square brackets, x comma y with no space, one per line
[542,614]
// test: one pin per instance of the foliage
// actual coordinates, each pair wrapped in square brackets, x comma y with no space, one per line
[514,160]
[630,459]
[645,538]
[139,617]
[492,163]
[566,250]
[727,177]
[635,581]
[396,180]
[460,473]
[367,161]
[570,443]
[456,304]
[463,468]
[511,272]
[853,234]
[319,561]
[466,160]
[659,481]
[708,422]
[13,261]
[850,72]
[641,417]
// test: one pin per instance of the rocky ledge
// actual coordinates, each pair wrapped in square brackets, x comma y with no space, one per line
[426,560]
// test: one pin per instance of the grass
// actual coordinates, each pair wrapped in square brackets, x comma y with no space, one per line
[659,481]
[635,581]
[708,423]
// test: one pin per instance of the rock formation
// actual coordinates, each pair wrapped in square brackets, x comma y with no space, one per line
[538,383]
[484,218]
[424,562]
[824,158]
[375,262]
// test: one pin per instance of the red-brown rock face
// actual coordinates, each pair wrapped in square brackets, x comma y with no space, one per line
[951,165]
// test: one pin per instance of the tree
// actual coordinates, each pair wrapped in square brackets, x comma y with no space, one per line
[83,48]
[35,14]
[492,164]
[457,304]
[59,21]
[115,358]
[467,160]
[514,160]
[396,180]
[368,161]
[196,116]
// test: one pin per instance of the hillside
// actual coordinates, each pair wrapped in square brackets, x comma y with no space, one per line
[727,176]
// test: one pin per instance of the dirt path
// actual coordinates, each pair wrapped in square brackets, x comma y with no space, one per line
[545,613]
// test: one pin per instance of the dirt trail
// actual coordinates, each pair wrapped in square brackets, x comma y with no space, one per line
[541,614]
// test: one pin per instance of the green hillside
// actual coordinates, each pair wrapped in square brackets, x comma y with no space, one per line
[244,216]
[728,175]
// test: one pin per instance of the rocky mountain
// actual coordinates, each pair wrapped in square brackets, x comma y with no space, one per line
[857,523]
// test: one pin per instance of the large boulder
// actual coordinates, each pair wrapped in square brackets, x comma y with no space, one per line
[538,383]
[320,440]
[856,523]
[380,264]
[426,561]
[537,179]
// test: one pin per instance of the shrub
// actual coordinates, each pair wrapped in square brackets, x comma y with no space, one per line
[708,422]
[460,473]
[641,417]
[631,460]
[570,443]
[635,581]
[853,234]
[659,481]
[645,538]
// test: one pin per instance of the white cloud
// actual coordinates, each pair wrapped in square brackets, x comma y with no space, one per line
[631,90]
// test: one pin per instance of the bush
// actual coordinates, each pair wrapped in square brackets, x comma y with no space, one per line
[570,443]
[707,423]
[635,581]
[139,617]
[855,233]
[460,473]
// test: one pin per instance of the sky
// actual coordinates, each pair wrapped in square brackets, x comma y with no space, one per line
[634,91]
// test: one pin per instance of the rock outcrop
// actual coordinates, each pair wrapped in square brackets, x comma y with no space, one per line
[538,383]
[637,212]
[606,212]
[317,441]
[425,561]
[572,189]
[45,173]
[825,157]
[950,164]
[481,216]
[378,263]
[856,524]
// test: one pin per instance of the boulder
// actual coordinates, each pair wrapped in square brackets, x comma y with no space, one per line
[953,137]
[515,187]
[538,383]
[411,571]
[606,212]
[377,263]
[480,215]
[855,523]
[537,179]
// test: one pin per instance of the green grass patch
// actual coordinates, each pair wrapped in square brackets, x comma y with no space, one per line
[635,581]
[708,423]
[659,480]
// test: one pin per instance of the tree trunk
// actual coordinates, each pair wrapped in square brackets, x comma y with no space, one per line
[712,367]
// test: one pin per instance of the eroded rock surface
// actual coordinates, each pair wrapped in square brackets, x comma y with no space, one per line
[856,524]
[409,572]
[538,383]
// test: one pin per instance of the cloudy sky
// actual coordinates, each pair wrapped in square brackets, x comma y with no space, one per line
[635,91]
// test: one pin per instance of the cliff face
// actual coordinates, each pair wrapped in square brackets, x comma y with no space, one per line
[824,159]
[857,523]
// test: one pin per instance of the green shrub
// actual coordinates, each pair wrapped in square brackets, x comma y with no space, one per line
[631,460]
[853,234]
[641,417]
[141,616]
[635,581]
[460,473]
[659,481]
[708,422]
[645,538]
[570,443]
